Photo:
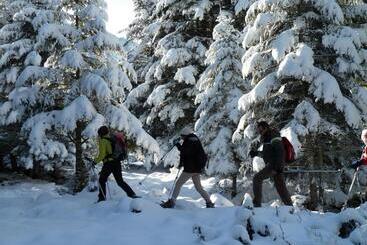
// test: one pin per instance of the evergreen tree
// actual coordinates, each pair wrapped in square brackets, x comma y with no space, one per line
[220,87]
[88,77]
[181,32]
[304,59]
[140,49]
[20,58]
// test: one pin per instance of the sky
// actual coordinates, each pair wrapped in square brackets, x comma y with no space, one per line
[120,14]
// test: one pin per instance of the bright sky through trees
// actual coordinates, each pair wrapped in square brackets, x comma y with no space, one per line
[120,14]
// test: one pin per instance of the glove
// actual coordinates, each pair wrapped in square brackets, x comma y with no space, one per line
[91,161]
[355,164]
[176,141]
[253,153]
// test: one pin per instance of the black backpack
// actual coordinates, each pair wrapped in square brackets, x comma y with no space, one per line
[202,157]
[119,149]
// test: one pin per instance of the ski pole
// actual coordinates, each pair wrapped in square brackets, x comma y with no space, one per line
[146,177]
[350,188]
[92,166]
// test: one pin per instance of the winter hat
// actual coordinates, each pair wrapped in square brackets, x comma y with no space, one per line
[186,131]
[102,131]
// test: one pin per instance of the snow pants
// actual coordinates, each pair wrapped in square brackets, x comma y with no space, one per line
[115,169]
[184,177]
[279,183]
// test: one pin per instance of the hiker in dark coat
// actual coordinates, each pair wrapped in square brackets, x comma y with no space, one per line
[192,160]
[110,165]
[273,154]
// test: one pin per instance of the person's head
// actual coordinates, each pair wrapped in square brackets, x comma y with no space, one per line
[103,131]
[262,127]
[185,132]
[364,136]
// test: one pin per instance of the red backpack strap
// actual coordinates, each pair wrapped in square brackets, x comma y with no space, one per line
[120,138]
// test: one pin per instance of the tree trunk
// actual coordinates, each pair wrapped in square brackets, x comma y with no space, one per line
[234,186]
[313,194]
[36,170]
[13,162]
[1,162]
[81,175]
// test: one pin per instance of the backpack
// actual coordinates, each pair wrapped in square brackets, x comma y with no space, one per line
[119,149]
[202,158]
[289,150]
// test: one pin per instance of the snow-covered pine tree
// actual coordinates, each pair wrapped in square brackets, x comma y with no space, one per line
[220,86]
[304,58]
[240,8]
[3,14]
[140,48]
[87,91]
[181,32]
[19,58]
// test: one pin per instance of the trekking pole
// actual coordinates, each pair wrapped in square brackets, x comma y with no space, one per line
[350,188]
[173,184]
[156,166]
[92,166]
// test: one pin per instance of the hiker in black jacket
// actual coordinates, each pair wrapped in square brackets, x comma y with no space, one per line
[273,154]
[192,159]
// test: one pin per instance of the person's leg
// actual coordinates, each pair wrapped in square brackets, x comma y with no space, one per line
[199,188]
[179,183]
[265,173]
[282,189]
[103,176]
[116,171]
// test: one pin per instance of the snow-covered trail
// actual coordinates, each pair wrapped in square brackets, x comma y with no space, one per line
[33,213]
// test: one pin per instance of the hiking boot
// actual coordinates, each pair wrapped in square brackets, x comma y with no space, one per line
[168,204]
[101,200]
[209,205]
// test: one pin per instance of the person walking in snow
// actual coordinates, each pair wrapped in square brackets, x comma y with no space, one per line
[192,159]
[273,154]
[361,164]
[110,165]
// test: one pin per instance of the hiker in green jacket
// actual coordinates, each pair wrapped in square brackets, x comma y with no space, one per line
[110,165]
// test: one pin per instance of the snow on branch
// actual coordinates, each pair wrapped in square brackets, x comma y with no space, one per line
[242,5]
[94,84]
[259,92]
[121,118]
[186,74]
[176,57]
[32,74]
[104,41]
[72,59]
[201,8]
[64,121]
[325,86]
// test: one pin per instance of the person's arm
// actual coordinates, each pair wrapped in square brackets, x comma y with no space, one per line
[102,151]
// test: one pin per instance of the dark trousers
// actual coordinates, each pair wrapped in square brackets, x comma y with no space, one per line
[279,182]
[115,169]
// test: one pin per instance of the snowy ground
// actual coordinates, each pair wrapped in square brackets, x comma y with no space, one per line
[34,213]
